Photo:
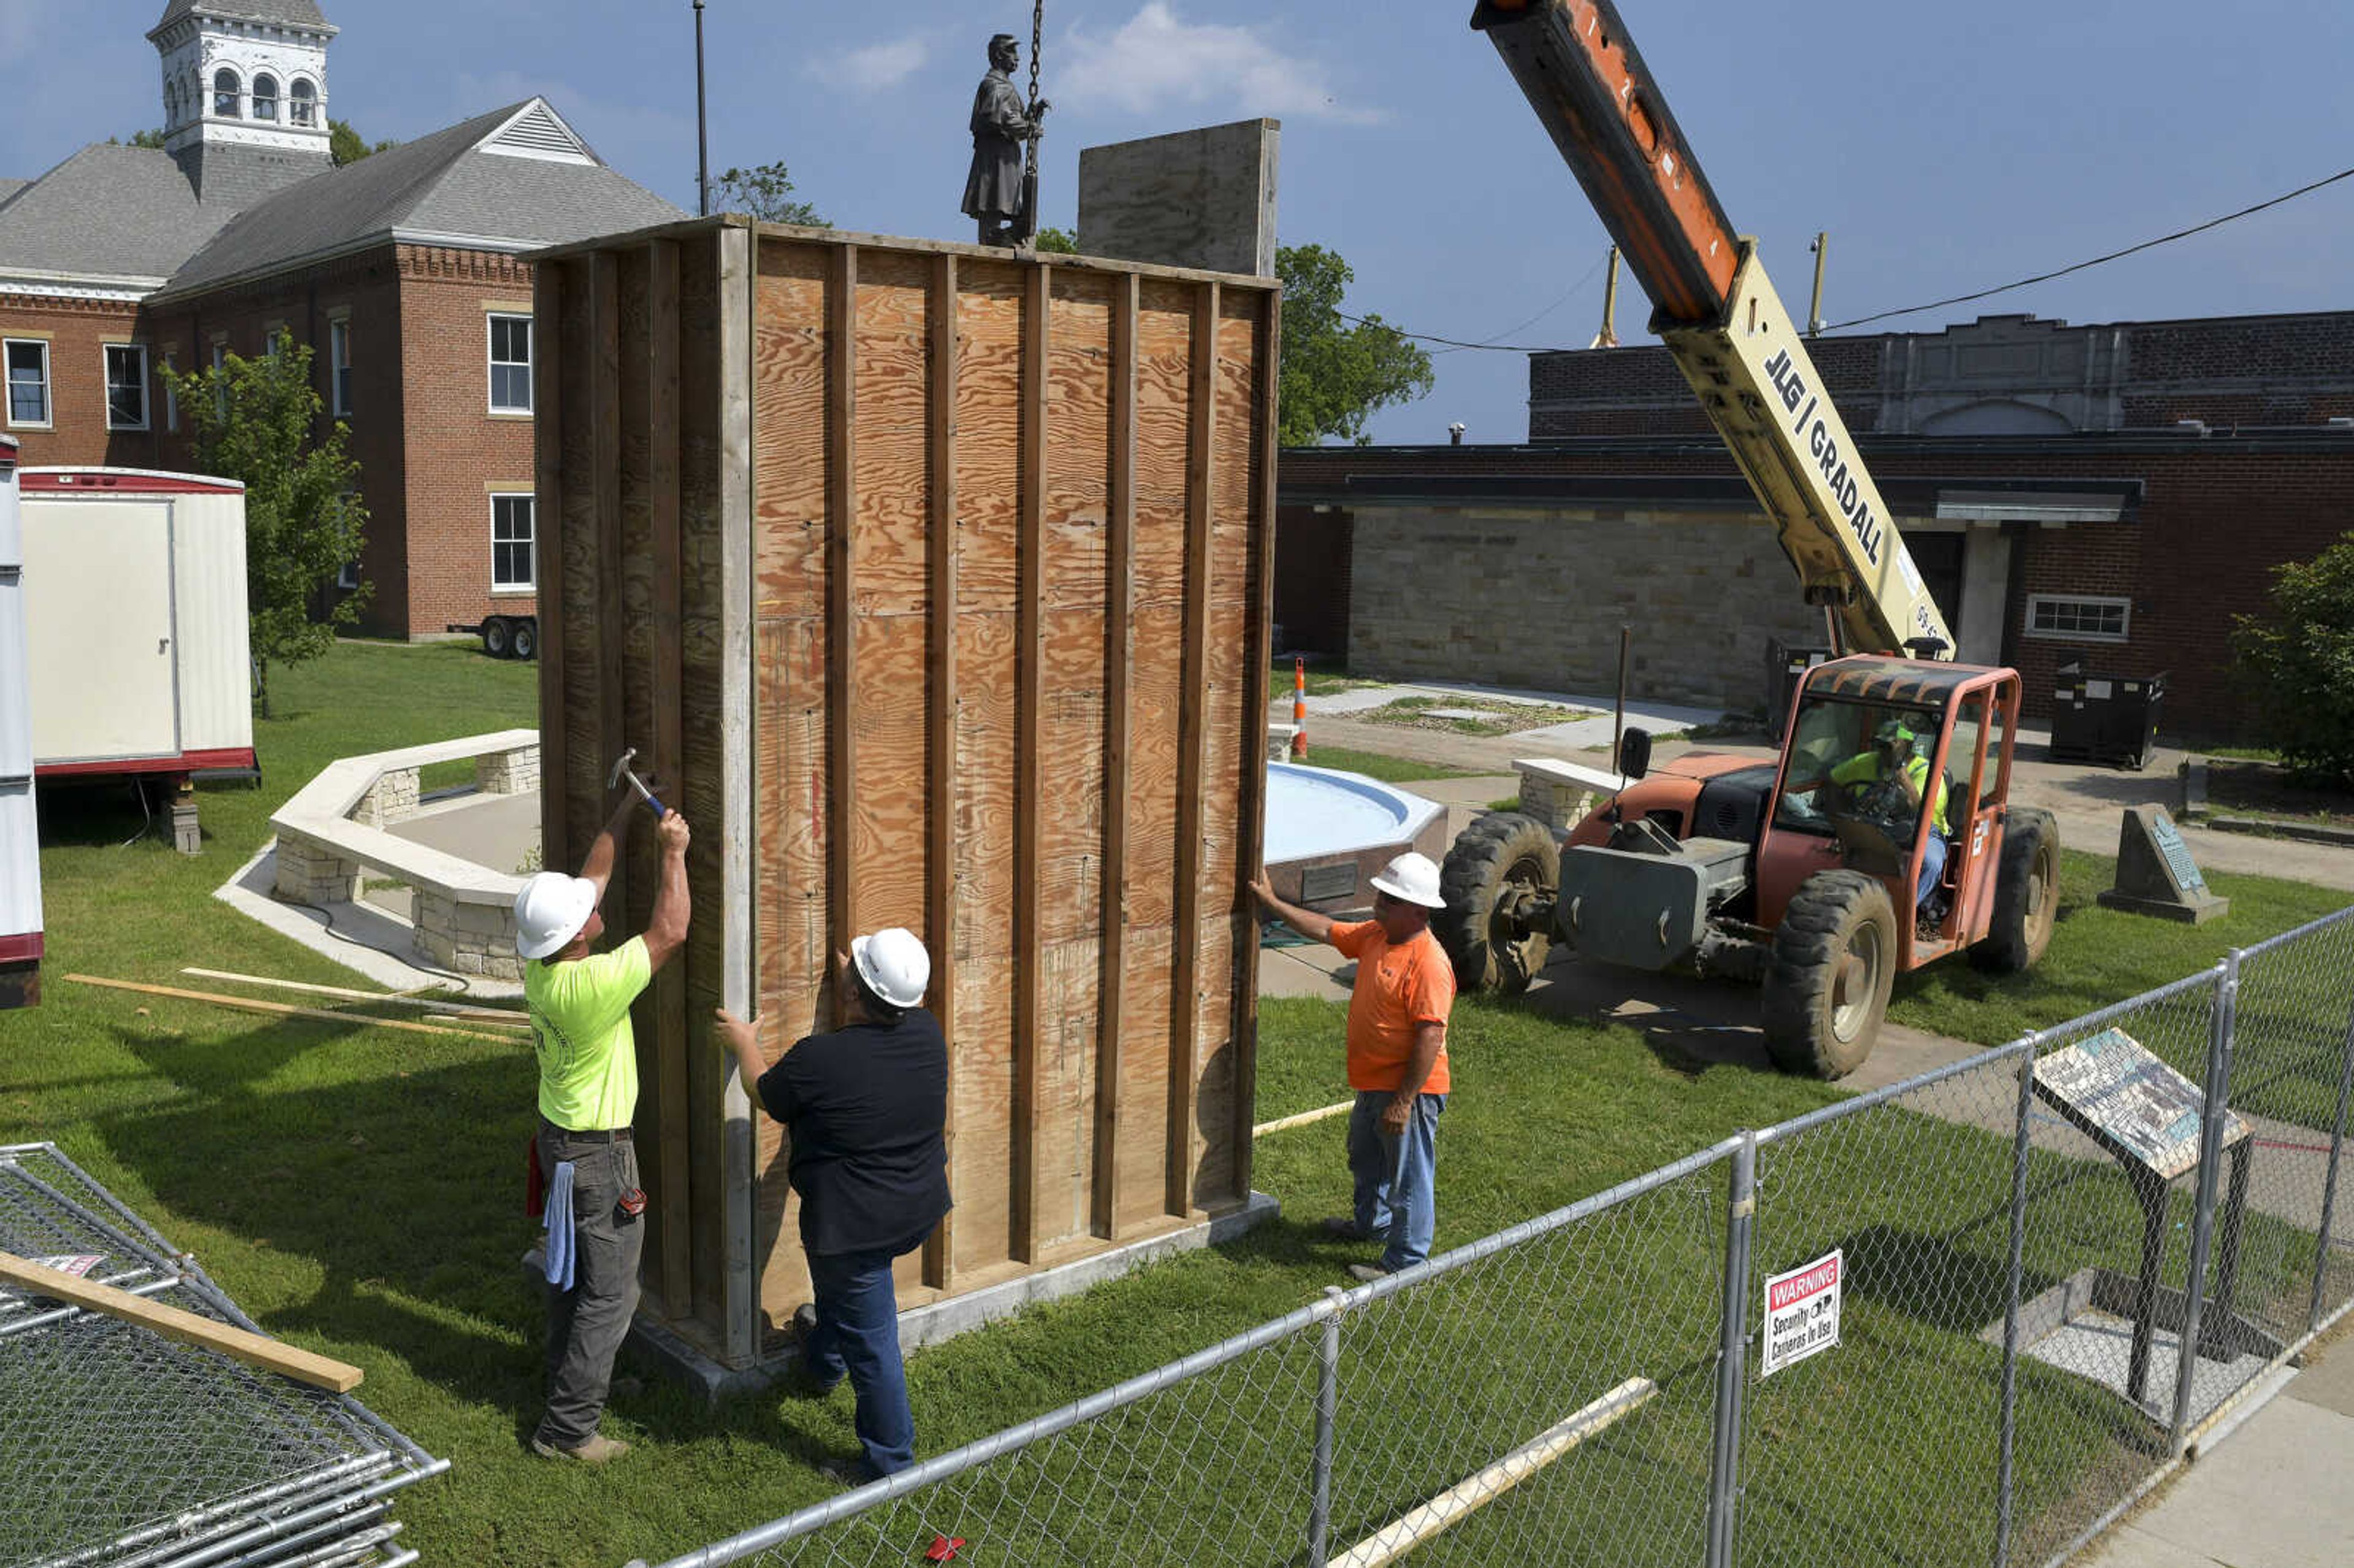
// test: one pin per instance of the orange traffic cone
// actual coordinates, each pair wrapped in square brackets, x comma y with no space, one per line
[1300,710]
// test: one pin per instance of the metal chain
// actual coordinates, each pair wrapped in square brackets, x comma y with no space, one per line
[1037,44]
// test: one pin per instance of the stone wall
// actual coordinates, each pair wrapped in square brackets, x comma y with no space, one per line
[470,937]
[1535,600]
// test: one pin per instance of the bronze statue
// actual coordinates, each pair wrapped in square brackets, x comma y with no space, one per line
[1002,125]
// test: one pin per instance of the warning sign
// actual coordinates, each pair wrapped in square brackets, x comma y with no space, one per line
[1802,1313]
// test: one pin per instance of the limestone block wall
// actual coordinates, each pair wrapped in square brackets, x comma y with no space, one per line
[1535,598]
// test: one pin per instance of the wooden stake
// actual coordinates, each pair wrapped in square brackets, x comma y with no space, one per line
[1302,1119]
[1397,1540]
[253,1350]
[280,1010]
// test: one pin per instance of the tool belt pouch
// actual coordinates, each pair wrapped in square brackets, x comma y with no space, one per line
[631,1203]
[534,1182]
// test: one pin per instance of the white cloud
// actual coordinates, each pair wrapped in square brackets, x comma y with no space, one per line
[1158,59]
[877,66]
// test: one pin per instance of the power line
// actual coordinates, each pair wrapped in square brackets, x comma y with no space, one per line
[2112,256]
[1909,310]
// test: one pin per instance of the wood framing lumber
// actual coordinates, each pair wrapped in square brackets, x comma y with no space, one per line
[254,1349]
[281,1009]
[1302,1119]
[1395,1539]
[450,1011]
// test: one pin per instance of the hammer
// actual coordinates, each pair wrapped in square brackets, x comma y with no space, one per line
[622,769]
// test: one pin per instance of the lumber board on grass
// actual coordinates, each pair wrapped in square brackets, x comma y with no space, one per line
[254,1349]
[284,1010]
[1394,1540]
[450,1011]
[1303,1118]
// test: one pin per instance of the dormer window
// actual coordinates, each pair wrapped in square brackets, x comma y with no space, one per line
[302,103]
[224,95]
[265,96]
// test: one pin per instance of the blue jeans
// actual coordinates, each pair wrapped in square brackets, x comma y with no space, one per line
[857,1334]
[1395,1177]
[1933,867]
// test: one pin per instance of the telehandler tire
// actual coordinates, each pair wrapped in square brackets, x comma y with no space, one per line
[1827,988]
[1503,853]
[2026,895]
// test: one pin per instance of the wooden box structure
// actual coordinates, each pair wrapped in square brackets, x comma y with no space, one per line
[935,582]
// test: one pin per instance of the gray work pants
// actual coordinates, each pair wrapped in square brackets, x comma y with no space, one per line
[587,1323]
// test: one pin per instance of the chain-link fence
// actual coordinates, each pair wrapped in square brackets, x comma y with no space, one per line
[121,1448]
[1965,1319]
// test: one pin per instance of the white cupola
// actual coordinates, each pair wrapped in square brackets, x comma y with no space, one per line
[245,90]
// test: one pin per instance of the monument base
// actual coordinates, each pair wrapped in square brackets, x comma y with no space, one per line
[680,1357]
[2191,911]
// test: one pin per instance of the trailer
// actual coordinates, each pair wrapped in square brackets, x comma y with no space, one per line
[137,648]
[503,636]
[20,843]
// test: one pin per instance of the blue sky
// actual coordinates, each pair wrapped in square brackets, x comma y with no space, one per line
[1945,148]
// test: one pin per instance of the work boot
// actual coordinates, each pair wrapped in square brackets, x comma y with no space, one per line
[1366,1273]
[599,1450]
[1346,1226]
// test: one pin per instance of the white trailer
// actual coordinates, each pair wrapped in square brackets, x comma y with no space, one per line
[20,839]
[135,623]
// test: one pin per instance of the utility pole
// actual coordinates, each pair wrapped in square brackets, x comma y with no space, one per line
[701,129]
[1822,250]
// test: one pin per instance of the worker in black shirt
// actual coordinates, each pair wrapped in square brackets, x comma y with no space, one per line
[865,1106]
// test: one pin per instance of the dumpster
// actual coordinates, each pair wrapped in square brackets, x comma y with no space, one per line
[2109,719]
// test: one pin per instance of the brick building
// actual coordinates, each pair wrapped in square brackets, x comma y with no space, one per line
[401,272]
[2115,492]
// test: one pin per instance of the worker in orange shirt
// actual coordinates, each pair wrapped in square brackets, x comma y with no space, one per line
[1397,1056]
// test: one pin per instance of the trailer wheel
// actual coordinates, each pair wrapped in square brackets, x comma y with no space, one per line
[1827,989]
[1501,866]
[2026,895]
[526,639]
[496,639]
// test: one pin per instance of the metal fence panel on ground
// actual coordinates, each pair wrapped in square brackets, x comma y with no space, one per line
[1941,1323]
[121,1448]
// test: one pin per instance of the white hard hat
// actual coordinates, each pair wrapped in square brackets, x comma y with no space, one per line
[1411,879]
[894,965]
[550,911]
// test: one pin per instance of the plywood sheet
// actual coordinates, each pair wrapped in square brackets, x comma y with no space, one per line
[790,411]
[990,313]
[894,363]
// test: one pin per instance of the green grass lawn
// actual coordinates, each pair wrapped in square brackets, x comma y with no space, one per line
[1375,765]
[358,1191]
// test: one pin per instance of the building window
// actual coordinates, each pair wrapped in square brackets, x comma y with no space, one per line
[301,104]
[2078,620]
[339,366]
[224,95]
[126,386]
[29,381]
[510,364]
[265,96]
[511,540]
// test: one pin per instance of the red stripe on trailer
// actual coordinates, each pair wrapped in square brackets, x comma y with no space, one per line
[121,481]
[22,948]
[179,762]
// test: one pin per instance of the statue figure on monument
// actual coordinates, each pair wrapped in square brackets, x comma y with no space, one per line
[1001,127]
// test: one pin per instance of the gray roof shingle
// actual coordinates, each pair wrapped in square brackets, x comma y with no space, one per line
[10,187]
[438,184]
[108,210]
[291,12]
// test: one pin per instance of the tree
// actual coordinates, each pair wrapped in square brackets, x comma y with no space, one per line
[152,139]
[1057,241]
[2300,658]
[1334,373]
[257,420]
[765,193]
[345,146]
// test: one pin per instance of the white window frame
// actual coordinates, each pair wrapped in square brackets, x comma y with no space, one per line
[236,96]
[302,103]
[47,421]
[490,348]
[339,366]
[257,101]
[532,500]
[106,352]
[2037,601]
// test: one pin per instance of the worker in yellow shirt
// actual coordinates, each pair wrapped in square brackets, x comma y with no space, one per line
[587,1094]
[1896,757]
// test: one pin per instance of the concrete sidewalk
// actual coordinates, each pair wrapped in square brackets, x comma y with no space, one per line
[2278,1492]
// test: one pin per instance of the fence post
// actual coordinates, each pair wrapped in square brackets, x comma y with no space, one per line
[2016,1271]
[2202,1228]
[1724,1471]
[2329,1181]
[1328,1410]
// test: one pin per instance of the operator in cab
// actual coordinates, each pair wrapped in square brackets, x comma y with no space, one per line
[1887,783]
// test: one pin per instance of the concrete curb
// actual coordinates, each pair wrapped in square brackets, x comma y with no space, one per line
[2308,832]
